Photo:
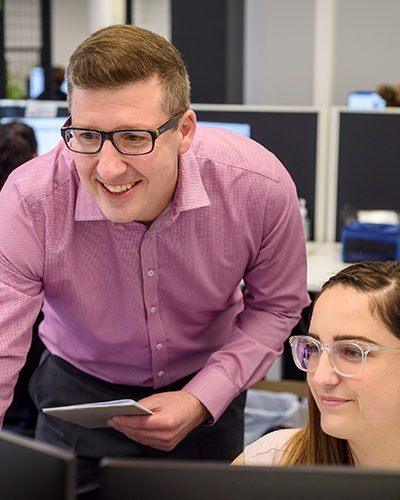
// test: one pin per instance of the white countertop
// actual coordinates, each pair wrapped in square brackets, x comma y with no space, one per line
[323,261]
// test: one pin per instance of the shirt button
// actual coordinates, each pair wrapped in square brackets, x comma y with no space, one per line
[159,346]
[150,272]
[160,373]
[153,309]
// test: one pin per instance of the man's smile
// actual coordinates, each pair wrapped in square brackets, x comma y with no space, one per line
[121,188]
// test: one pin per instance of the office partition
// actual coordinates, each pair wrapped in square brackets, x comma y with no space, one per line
[364,164]
[297,136]
[29,108]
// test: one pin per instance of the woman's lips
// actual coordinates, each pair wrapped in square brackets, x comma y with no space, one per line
[330,401]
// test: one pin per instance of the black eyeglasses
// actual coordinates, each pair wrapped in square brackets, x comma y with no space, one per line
[127,142]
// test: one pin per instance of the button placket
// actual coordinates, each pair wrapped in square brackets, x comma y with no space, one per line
[155,328]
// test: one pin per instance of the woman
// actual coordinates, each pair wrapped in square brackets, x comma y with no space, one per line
[352,359]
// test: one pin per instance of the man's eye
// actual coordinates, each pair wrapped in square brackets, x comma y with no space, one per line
[133,139]
[88,136]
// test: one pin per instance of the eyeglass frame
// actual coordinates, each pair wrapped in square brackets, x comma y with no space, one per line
[364,347]
[155,133]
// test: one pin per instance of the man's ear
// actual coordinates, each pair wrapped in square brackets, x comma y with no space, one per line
[187,130]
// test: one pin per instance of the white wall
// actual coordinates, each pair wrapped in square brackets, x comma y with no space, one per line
[367,45]
[280,54]
[69,28]
[75,20]
[280,50]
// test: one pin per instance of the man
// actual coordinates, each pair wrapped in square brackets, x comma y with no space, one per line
[136,233]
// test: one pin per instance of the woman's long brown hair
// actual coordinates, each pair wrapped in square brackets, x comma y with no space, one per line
[381,281]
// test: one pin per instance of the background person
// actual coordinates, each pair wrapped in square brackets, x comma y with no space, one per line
[17,145]
[136,233]
[352,359]
[55,93]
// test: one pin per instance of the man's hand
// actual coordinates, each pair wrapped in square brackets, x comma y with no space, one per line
[175,415]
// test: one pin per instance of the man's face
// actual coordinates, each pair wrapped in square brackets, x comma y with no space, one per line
[128,188]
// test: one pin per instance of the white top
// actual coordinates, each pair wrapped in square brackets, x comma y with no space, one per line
[268,450]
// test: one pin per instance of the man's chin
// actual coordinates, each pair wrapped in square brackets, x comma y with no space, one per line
[118,217]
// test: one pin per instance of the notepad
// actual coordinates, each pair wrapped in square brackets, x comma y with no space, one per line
[95,415]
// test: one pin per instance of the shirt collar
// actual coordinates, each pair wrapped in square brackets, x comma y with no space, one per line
[190,194]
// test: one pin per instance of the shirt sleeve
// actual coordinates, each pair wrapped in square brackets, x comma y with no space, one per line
[276,293]
[21,292]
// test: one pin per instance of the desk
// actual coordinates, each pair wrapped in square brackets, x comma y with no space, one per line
[323,261]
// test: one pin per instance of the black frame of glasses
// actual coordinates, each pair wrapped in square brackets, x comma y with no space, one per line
[110,135]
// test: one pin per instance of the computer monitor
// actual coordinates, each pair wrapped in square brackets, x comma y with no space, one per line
[47,131]
[12,108]
[36,83]
[239,128]
[191,480]
[30,469]
[294,136]
[365,101]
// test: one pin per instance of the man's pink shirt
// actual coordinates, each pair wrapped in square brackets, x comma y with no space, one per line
[148,306]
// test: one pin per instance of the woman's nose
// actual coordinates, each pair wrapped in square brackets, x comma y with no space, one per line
[324,374]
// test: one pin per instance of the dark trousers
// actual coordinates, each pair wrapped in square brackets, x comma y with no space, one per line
[58,383]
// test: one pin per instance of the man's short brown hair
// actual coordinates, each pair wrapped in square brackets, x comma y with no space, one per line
[122,54]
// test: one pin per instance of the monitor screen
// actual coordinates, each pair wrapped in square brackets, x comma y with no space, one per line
[31,469]
[36,83]
[365,101]
[239,128]
[191,480]
[47,131]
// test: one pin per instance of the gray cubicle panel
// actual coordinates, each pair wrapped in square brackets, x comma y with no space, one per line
[364,167]
[294,135]
[297,136]
[10,108]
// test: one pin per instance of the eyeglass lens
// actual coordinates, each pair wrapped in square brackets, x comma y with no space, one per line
[346,356]
[88,141]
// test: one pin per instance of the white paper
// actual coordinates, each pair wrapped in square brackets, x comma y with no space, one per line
[95,415]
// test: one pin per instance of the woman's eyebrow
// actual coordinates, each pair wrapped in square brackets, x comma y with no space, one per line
[360,338]
[313,335]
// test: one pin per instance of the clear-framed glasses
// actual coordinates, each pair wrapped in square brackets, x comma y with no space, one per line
[348,357]
[127,142]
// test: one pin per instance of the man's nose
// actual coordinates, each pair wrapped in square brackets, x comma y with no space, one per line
[111,162]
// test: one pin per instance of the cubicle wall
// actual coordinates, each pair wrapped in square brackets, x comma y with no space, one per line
[45,117]
[364,164]
[297,136]
[32,108]
[339,159]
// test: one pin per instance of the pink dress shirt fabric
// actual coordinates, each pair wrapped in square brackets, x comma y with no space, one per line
[147,306]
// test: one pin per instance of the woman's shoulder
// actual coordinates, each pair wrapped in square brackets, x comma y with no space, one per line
[269,449]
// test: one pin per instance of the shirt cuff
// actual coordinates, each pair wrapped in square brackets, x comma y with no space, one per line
[213,390]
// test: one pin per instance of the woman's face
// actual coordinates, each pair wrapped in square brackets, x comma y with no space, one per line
[366,406]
